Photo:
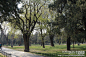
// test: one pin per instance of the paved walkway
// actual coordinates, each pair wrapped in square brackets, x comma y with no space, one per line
[15,53]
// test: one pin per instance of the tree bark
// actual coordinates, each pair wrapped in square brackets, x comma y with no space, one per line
[7,40]
[85,27]
[12,42]
[68,43]
[43,42]
[51,40]
[73,43]
[42,39]
[85,31]
[26,42]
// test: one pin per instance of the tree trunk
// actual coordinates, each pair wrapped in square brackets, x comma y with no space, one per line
[73,43]
[51,40]
[12,42]
[61,40]
[2,35]
[42,39]
[85,29]
[30,42]
[26,42]
[78,44]
[19,43]
[43,42]
[7,40]
[68,43]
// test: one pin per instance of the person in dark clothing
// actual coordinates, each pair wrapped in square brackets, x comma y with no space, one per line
[0,46]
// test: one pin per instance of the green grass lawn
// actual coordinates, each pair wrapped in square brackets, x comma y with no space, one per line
[1,55]
[53,51]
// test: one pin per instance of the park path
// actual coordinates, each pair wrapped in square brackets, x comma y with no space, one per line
[15,53]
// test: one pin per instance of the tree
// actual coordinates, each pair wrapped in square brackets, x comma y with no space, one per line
[25,19]
[59,9]
[5,28]
[43,23]
[42,28]
[52,28]
[43,33]
[67,14]
[6,6]
[82,5]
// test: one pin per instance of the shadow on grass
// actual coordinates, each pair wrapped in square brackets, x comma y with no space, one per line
[83,48]
[50,54]
[57,54]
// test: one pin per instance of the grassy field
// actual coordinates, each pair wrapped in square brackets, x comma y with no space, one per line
[57,51]
[1,55]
